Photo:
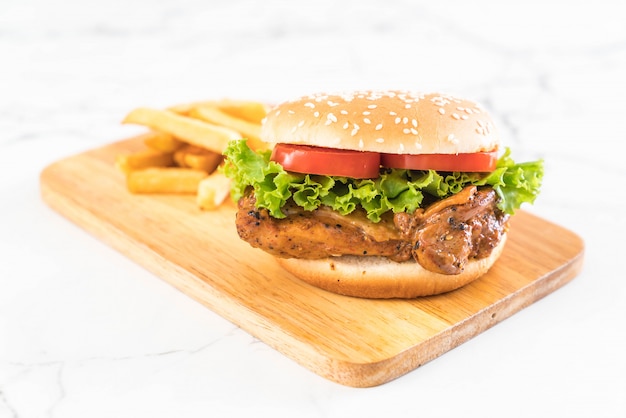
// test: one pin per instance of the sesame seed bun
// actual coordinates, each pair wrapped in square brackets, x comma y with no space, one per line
[383,121]
[393,122]
[381,278]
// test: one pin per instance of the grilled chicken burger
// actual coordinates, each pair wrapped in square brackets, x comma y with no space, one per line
[380,194]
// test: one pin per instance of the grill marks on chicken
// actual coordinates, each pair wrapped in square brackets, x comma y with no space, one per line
[318,234]
[442,237]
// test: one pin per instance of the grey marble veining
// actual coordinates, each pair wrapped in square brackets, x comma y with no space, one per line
[86,332]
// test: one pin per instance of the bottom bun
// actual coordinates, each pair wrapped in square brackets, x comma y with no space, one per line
[381,278]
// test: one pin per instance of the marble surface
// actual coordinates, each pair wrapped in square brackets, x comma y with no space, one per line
[85,332]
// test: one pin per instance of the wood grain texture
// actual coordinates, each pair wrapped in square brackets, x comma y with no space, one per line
[354,342]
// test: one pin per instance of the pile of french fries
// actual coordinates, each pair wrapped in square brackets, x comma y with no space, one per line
[184,147]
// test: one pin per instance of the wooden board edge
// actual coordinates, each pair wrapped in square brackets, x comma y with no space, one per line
[231,310]
[336,370]
[375,374]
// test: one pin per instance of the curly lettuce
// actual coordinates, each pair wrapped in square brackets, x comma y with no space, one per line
[396,190]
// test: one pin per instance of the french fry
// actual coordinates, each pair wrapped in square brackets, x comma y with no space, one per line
[185,147]
[196,157]
[165,180]
[190,130]
[249,130]
[248,110]
[143,159]
[212,191]
[184,108]
[162,141]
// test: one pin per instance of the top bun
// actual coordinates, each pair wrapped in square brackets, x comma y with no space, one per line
[396,122]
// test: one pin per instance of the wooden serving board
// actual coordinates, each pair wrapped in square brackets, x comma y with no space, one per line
[355,342]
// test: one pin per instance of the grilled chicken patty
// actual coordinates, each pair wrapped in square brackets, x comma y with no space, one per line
[441,237]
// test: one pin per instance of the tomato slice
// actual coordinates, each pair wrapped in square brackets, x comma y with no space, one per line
[327,161]
[477,161]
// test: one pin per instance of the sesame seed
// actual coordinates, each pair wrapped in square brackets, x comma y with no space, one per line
[294,129]
[407,106]
[361,145]
[301,124]
[401,147]
[464,117]
[346,125]
[405,120]
[316,114]
[379,126]
[309,104]
[366,120]
[291,112]
[397,120]
[468,110]
[355,130]
[367,113]
[418,145]
[372,106]
[392,113]
[406,131]
[278,112]
[414,123]
[456,116]
[380,140]
[442,110]
[344,112]
[414,131]
[331,117]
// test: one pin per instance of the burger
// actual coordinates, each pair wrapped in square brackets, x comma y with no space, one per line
[379,194]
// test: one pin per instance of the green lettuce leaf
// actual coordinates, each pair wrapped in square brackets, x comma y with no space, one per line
[394,190]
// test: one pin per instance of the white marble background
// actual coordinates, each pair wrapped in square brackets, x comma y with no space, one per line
[85,332]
